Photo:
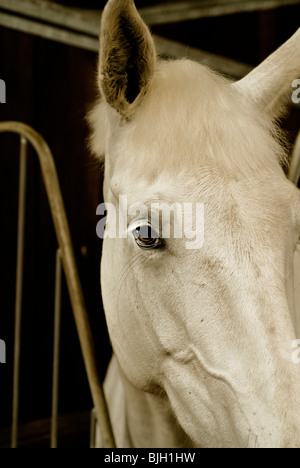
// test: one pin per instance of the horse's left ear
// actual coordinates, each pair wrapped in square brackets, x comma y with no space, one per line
[270,84]
[127,56]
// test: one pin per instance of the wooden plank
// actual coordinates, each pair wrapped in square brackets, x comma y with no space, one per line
[50,32]
[164,46]
[172,12]
[87,21]
[80,20]
[223,65]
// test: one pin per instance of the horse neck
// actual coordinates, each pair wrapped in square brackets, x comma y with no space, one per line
[141,419]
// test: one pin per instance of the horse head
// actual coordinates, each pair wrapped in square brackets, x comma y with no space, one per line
[205,324]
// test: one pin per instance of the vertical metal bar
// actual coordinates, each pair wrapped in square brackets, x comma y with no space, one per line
[93,429]
[294,169]
[19,289]
[56,348]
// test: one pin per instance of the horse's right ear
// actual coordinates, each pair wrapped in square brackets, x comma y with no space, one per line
[127,56]
[269,85]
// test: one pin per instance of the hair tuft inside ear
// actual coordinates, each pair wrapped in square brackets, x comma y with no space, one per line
[127,57]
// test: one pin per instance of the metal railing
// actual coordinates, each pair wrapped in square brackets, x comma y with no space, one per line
[65,261]
[294,169]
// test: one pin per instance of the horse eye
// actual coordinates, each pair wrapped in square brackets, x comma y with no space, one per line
[147,238]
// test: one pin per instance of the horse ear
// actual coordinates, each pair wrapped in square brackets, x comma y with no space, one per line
[127,56]
[270,84]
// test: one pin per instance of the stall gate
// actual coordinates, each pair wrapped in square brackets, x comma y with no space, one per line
[65,262]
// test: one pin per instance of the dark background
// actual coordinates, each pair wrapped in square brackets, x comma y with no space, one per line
[51,86]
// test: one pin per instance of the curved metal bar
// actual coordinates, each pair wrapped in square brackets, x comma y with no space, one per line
[294,169]
[70,269]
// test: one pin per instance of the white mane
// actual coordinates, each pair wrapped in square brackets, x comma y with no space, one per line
[190,116]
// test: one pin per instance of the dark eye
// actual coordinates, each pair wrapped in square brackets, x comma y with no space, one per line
[147,238]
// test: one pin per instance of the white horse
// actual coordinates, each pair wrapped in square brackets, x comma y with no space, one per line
[202,338]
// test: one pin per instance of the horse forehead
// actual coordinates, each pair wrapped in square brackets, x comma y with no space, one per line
[220,192]
[257,212]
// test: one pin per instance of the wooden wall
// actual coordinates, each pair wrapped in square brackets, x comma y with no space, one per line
[49,86]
